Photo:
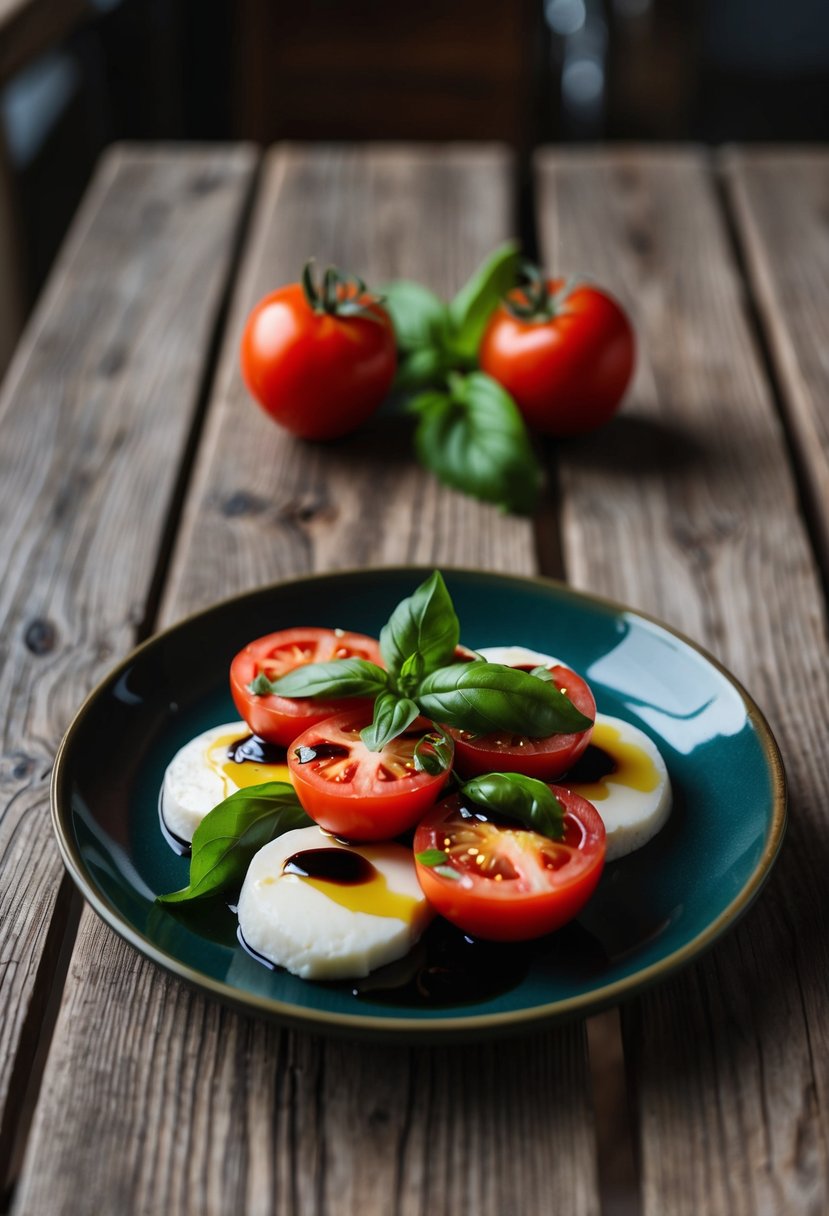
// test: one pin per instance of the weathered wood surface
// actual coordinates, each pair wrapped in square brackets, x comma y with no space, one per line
[685,506]
[781,203]
[156,1100]
[94,417]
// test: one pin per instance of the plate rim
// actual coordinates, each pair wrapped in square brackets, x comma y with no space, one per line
[433,1028]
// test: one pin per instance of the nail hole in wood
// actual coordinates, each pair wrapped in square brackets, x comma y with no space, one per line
[41,636]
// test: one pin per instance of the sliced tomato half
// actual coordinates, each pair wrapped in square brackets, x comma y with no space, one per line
[281,719]
[506,883]
[509,752]
[356,793]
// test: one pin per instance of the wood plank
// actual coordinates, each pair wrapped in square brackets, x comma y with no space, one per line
[685,507]
[157,1100]
[781,201]
[95,414]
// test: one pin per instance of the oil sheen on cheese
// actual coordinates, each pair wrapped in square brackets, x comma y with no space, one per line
[209,769]
[325,910]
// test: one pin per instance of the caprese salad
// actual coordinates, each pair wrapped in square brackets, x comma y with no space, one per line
[373,785]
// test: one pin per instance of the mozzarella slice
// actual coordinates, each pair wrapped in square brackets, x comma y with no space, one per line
[517,656]
[634,798]
[202,775]
[324,930]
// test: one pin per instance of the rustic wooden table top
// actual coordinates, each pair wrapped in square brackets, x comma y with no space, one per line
[137,484]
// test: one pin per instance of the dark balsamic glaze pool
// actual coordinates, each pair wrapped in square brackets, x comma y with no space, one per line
[256,751]
[331,865]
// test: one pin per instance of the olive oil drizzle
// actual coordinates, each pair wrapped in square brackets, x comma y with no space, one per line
[245,760]
[350,879]
[618,763]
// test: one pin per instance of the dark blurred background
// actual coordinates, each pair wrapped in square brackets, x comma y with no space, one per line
[78,74]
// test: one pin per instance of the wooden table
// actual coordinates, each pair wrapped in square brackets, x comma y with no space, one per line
[138,484]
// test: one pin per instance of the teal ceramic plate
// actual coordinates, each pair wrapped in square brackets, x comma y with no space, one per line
[654,911]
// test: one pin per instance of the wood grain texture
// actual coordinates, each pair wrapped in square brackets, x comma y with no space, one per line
[781,205]
[156,1100]
[95,413]
[685,507]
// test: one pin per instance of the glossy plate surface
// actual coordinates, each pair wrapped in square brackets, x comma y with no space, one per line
[653,912]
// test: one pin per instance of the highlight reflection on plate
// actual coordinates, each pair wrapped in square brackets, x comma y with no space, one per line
[654,910]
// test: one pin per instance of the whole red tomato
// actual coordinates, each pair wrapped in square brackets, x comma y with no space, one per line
[319,361]
[564,352]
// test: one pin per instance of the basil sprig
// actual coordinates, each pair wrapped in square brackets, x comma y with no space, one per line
[470,432]
[227,838]
[433,337]
[418,644]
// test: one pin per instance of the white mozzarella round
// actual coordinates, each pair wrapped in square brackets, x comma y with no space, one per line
[303,924]
[631,815]
[517,656]
[197,778]
[635,800]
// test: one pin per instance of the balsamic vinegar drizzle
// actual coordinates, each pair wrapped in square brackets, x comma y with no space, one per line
[331,865]
[256,750]
[593,765]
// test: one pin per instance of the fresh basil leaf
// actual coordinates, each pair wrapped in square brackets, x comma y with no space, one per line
[485,697]
[529,801]
[418,315]
[227,838]
[424,624]
[412,672]
[474,439]
[432,857]
[477,300]
[434,753]
[421,368]
[392,715]
[337,678]
[261,686]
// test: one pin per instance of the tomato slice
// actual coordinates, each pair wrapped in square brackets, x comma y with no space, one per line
[281,719]
[511,884]
[545,759]
[356,793]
